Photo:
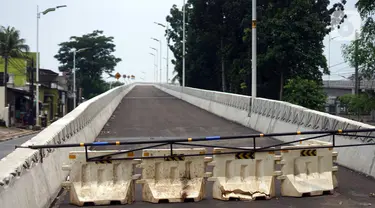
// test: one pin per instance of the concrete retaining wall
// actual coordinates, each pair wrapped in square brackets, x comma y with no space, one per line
[32,178]
[270,116]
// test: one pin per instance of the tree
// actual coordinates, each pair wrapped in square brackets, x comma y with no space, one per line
[306,93]
[218,46]
[91,63]
[358,105]
[11,46]
[365,53]
[174,33]
[291,42]
[366,8]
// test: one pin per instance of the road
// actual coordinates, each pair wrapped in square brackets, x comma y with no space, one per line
[8,146]
[148,112]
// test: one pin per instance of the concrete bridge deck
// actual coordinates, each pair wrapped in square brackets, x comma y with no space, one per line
[149,113]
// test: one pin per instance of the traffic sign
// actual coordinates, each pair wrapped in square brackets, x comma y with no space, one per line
[124,76]
[117,75]
[128,76]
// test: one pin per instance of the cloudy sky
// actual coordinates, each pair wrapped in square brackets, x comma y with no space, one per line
[130,22]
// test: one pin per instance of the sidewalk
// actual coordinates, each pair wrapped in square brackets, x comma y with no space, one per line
[11,133]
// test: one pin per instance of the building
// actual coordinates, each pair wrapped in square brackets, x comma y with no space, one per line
[21,94]
[336,88]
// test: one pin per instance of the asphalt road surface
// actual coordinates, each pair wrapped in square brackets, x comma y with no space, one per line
[148,113]
[8,146]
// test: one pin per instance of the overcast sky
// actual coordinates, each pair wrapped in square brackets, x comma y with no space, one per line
[130,22]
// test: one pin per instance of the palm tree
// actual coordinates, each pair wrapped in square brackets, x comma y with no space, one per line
[11,46]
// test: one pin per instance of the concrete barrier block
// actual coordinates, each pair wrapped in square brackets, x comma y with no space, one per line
[101,183]
[243,176]
[307,171]
[173,179]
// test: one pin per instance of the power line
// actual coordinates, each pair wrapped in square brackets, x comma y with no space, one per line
[342,69]
[337,64]
[17,66]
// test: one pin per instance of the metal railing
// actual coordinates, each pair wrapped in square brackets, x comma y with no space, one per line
[192,142]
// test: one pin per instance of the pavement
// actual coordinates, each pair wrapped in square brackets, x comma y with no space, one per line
[11,133]
[148,113]
[8,146]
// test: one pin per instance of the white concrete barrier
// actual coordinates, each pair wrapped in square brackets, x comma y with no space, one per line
[100,183]
[175,179]
[307,171]
[243,176]
[270,116]
[32,178]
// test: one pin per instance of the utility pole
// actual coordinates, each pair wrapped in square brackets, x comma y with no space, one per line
[167,48]
[32,116]
[356,87]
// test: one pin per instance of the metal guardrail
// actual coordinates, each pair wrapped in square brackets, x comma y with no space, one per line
[253,137]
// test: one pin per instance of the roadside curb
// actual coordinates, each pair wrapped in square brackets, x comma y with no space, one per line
[20,135]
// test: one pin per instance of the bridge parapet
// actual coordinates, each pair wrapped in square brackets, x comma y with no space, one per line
[38,173]
[270,116]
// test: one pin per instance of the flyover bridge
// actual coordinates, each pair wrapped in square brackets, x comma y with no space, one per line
[141,111]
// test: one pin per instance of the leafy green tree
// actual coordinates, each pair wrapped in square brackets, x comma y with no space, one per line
[91,63]
[218,46]
[366,8]
[306,93]
[358,104]
[11,46]
[175,35]
[365,53]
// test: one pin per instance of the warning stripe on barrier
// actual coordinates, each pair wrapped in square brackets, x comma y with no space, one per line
[245,155]
[175,158]
[104,160]
[311,152]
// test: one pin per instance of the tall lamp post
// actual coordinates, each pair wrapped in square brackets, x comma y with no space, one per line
[160,55]
[329,56]
[166,60]
[183,45]
[74,75]
[166,48]
[52,9]
[254,53]
[156,63]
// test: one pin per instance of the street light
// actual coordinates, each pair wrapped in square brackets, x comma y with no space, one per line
[156,63]
[74,75]
[160,55]
[329,56]
[110,83]
[37,54]
[166,48]
[254,53]
[166,60]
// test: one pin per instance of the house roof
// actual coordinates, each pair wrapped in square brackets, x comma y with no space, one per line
[19,90]
[47,72]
